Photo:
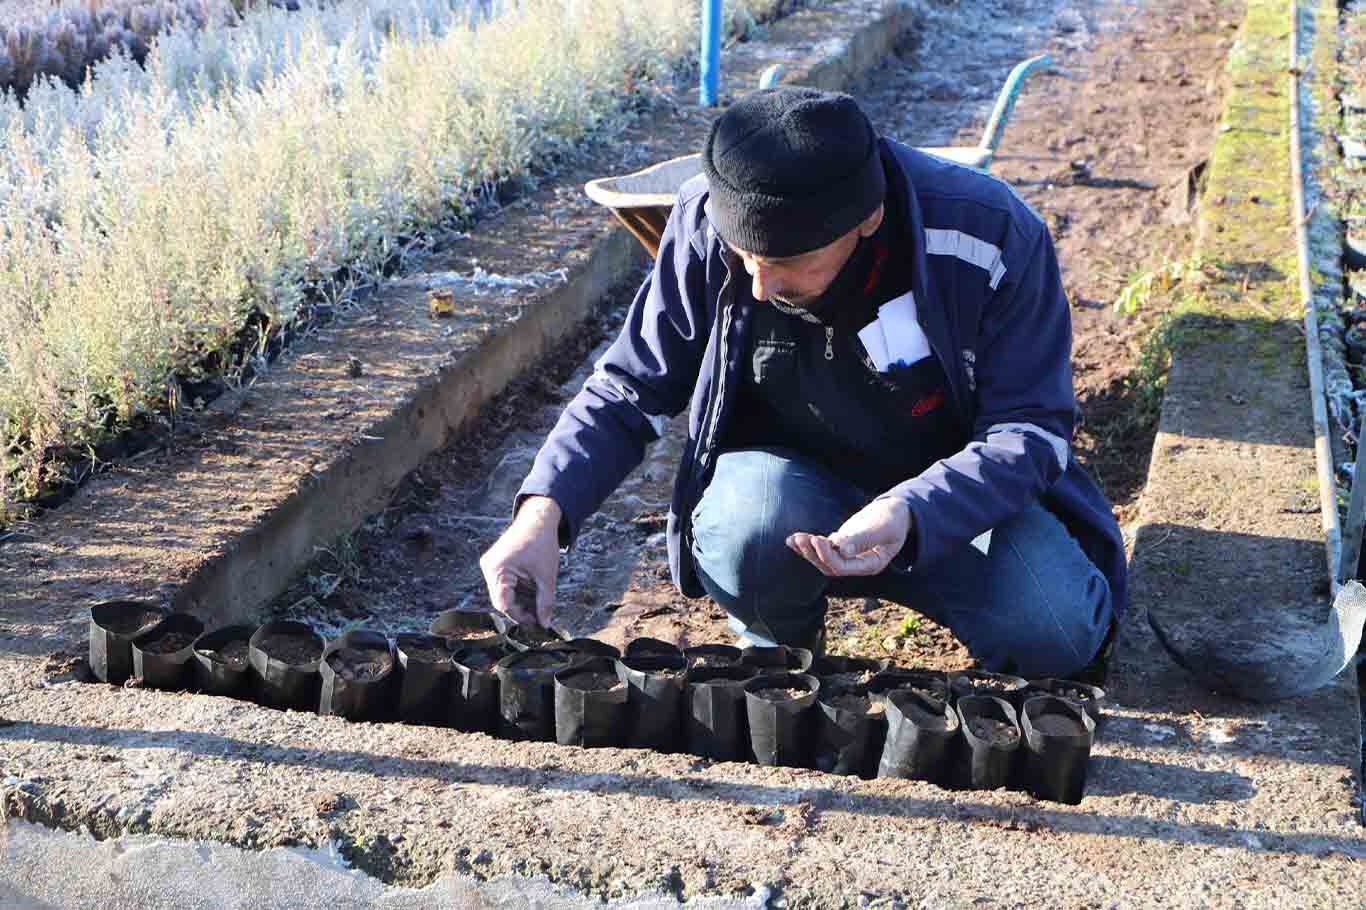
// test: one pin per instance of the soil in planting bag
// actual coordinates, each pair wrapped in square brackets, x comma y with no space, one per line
[462,627]
[849,730]
[526,693]
[777,659]
[778,707]
[285,656]
[930,683]
[163,654]
[429,678]
[113,626]
[922,737]
[589,649]
[709,655]
[590,704]
[835,670]
[992,733]
[1089,698]
[360,676]
[1057,748]
[222,664]
[983,682]
[715,721]
[655,685]
[474,700]
[651,647]
[527,636]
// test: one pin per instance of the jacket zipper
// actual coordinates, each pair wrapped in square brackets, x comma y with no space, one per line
[718,385]
[829,339]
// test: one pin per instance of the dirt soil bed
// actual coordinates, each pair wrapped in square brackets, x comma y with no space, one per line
[1100,145]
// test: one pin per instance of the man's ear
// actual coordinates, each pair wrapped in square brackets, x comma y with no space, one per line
[872,222]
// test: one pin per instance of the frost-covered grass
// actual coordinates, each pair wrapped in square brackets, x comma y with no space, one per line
[145,216]
[63,38]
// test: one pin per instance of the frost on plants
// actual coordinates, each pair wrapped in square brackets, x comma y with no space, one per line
[145,216]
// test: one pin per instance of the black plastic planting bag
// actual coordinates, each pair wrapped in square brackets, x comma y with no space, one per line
[991,731]
[113,626]
[715,720]
[1058,737]
[474,699]
[221,661]
[922,738]
[590,704]
[463,628]
[655,684]
[428,678]
[526,693]
[285,656]
[651,647]
[709,655]
[982,682]
[849,730]
[778,706]
[359,673]
[590,648]
[1089,698]
[777,659]
[163,654]
[934,683]
[838,670]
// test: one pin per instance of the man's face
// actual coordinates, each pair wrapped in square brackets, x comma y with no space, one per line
[801,280]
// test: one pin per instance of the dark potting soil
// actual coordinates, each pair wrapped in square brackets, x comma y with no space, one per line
[360,663]
[539,660]
[534,635]
[856,678]
[480,660]
[710,660]
[977,682]
[292,649]
[465,634]
[590,681]
[234,654]
[926,720]
[169,643]
[996,732]
[128,623]
[778,694]
[1071,693]
[859,704]
[427,655]
[1057,725]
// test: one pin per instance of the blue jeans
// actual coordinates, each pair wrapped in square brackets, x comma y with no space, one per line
[1033,605]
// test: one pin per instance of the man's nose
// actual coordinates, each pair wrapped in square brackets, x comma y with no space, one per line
[762,284]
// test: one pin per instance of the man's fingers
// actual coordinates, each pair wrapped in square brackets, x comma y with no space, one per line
[823,553]
[801,542]
[503,593]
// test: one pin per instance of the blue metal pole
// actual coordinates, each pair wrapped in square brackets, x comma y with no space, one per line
[711,52]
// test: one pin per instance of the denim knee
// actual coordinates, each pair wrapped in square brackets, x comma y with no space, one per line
[739,530]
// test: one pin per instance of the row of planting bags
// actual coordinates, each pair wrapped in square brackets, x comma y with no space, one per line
[777,706]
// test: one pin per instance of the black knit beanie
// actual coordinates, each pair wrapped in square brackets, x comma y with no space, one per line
[791,170]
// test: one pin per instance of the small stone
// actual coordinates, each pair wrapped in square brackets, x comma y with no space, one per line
[354,368]
[482,858]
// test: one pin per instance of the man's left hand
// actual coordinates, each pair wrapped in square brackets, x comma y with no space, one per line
[863,545]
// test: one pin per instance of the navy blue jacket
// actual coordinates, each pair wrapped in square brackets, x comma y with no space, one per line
[990,301]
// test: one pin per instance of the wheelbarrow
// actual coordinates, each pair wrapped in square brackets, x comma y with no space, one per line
[642,200]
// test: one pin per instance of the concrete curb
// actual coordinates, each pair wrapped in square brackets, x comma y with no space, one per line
[1247,566]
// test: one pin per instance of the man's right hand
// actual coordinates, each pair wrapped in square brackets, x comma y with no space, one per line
[528,549]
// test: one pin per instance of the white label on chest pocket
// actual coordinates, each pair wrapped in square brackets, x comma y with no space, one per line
[906,340]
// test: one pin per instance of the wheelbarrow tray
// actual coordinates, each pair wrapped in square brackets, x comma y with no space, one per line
[642,200]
